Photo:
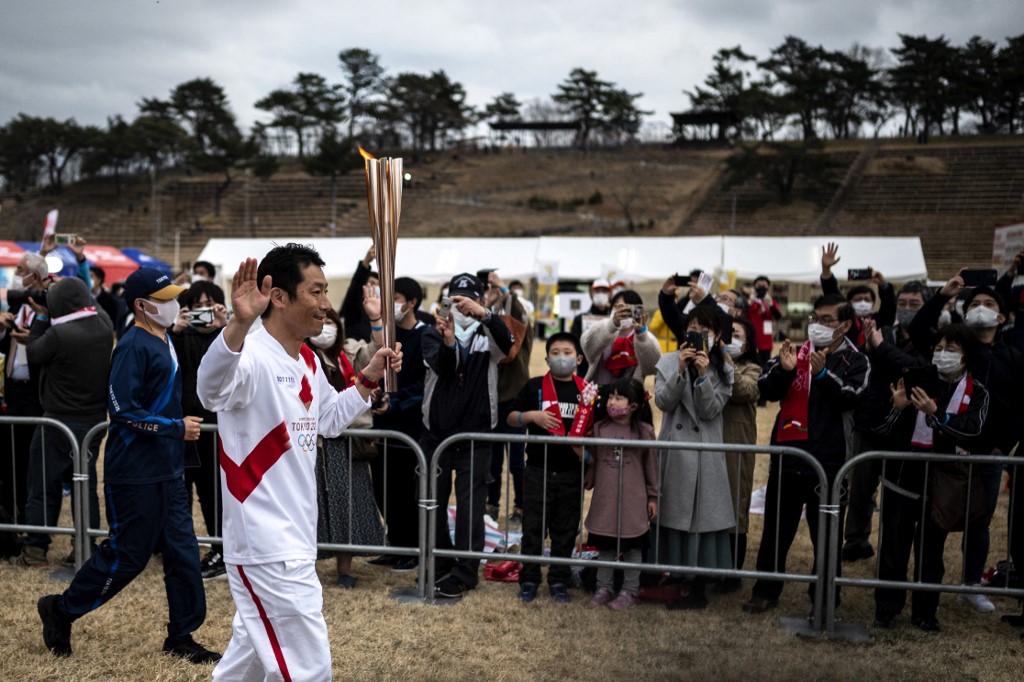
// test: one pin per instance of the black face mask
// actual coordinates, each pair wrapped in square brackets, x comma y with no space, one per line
[761,291]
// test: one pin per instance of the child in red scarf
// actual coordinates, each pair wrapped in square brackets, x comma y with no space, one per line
[547,405]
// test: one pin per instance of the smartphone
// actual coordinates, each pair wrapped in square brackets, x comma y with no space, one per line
[697,340]
[445,309]
[979,278]
[705,282]
[858,274]
[680,280]
[64,238]
[638,313]
[926,378]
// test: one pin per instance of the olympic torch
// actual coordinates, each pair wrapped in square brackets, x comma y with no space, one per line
[384,200]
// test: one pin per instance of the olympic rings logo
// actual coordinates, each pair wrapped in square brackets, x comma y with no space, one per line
[307,441]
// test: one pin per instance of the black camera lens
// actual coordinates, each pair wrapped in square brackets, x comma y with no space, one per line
[19,297]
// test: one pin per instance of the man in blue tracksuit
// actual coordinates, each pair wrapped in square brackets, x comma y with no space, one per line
[147,505]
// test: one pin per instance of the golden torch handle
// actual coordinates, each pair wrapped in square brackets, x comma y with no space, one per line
[384,200]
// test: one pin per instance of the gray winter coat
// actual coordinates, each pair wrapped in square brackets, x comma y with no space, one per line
[694,485]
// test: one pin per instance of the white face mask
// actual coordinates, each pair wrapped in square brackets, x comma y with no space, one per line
[626,324]
[949,363]
[166,312]
[196,277]
[945,318]
[518,292]
[462,321]
[863,308]
[400,311]
[600,299]
[326,338]
[820,335]
[725,308]
[735,348]
[982,317]
[17,282]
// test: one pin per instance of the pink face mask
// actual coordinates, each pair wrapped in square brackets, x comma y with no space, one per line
[617,411]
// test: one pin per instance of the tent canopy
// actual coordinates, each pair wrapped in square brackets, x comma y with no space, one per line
[10,254]
[115,264]
[637,259]
[145,260]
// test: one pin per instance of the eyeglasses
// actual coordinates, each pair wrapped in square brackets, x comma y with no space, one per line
[826,320]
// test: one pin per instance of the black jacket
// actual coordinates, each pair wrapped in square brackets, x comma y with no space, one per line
[833,396]
[461,389]
[999,367]
[190,346]
[357,324]
[888,361]
[74,357]
[948,436]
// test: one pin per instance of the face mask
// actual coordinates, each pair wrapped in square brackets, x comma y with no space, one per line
[196,277]
[761,292]
[905,317]
[617,411]
[959,306]
[166,312]
[17,282]
[820,335]
[735,348]
[562,365]
[863,308]
[400,311]
[326,338]
[982,317]
[517,292]
[462,321]
[626,324]
[945,318]
[948,363]
[725,308]
[600,300]
[1017,281]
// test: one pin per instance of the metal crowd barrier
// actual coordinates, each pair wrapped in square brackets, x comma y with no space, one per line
[79,481]
[837,538]
[423,503]
[819,579]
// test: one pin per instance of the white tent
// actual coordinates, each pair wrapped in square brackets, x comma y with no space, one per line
[639,259]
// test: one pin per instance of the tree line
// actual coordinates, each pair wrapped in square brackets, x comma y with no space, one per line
[924,86]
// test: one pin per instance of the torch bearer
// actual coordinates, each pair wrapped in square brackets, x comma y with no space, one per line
[384,199]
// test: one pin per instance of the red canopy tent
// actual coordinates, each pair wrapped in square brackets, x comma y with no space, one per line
[10,254]
[115,264]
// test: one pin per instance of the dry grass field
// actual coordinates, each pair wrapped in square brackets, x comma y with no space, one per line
[491,636]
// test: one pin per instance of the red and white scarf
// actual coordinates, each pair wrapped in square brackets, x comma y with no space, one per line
[77,315]
[958,404]
[793,410]
[549,400]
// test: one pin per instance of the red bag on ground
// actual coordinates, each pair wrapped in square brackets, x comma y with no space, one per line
[502,571]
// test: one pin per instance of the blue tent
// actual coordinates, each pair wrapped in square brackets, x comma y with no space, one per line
[145,260]
[68,258]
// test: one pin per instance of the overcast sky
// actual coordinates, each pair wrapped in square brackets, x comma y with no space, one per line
[88,59]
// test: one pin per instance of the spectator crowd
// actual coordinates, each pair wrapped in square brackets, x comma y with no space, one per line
[901,367]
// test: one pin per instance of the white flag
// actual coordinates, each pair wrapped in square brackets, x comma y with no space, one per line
[50,226]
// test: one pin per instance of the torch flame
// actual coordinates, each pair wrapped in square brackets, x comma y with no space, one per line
[365,154]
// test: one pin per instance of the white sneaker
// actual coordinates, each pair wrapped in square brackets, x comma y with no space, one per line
[978,602]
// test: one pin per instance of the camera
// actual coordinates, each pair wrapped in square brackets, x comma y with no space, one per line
[858,274]
[445,309]
[64,239]
[638,313]
[19,297]
[200,317]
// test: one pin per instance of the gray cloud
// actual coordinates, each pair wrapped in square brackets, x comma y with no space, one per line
[91,60]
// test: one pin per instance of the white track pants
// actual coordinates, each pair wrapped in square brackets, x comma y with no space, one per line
[278,632]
